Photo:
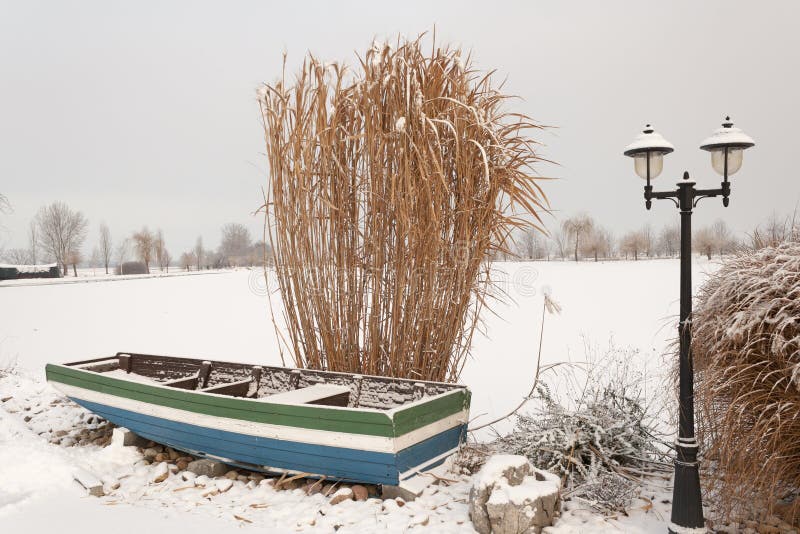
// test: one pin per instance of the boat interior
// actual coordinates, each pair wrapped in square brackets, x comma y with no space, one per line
[274,384]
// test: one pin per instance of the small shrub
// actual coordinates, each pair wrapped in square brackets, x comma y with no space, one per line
[597,440]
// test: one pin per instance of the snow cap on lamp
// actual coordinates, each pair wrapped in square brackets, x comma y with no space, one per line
[648,147]
[727,142]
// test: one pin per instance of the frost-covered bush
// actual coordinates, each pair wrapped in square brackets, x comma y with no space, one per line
[597,440]
[747,357]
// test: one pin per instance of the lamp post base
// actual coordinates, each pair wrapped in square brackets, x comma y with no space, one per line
[687,508]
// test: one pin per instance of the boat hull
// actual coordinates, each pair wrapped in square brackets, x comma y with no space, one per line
[350,444]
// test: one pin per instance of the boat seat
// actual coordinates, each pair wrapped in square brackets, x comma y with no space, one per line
[190,382]
[239,388]
[326,394]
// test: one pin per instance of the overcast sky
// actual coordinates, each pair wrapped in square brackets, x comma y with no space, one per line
[144,112]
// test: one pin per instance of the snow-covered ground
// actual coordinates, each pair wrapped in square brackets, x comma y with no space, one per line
[628,304]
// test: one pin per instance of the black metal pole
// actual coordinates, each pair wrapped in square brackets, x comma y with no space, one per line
[687,507]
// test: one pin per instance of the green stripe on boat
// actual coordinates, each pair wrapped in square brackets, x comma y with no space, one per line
[414,417]
[372,423]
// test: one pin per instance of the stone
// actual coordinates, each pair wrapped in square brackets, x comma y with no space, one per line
[224,484]
[207,467]
[328,489]
[232,474]
[313,487]
[60,433]
[92,484]
[510,495]
[161,457]
[150,453]
[161,473]
[182,464]
[343,494]
[287,484]
[173,455]
[360,493]
[243,478]
[122,437]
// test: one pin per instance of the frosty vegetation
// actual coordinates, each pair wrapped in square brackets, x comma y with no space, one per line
[747,356]
[600,435]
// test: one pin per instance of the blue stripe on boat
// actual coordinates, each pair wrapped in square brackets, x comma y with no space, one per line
[424,451]
[336,462]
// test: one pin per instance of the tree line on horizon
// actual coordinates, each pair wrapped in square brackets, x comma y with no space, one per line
[581,237]
[58,234]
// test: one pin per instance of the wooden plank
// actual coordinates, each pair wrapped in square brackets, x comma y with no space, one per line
[424,413]
[357,421]
[184,383]
[234,389]
[316,394]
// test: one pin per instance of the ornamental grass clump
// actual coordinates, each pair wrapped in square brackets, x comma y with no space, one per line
[746,351]
[390,187]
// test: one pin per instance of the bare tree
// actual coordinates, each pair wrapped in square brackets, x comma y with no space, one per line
[74,258]
[143,242]
[724,240]
[17,256]
[123,249]
[669,240]
[94,259]
[62,231]
[235,244]
[705,242]
[199,252]
[575,227]
[596,243]
[647,239]
[105,245]
[166,259]
[560,239]
[187,260]
[633,243]
[33,242]
[159,247]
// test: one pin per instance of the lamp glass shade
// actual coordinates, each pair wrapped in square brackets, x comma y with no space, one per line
[734,160]
[656,164]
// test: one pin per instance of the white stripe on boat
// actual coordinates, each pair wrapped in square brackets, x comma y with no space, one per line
[280,432]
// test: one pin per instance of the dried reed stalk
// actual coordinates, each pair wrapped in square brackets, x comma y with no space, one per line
[747,355]
[389,189]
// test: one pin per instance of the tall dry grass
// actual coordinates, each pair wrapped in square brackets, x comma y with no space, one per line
[747,356]
[390,186]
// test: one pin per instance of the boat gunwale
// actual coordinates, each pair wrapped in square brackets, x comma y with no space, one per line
[390,412]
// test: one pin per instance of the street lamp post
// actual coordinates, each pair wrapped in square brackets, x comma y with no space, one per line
[726,145]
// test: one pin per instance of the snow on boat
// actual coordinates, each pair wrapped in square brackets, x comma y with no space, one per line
[343,426]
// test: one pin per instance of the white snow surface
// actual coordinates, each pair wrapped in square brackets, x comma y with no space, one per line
[226,317]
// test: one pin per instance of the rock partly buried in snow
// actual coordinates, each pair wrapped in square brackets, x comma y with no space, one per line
[343,494]
[207,467]
[509,495]
[161,473]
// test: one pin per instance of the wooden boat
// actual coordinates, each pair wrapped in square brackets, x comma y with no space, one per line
[274,419]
